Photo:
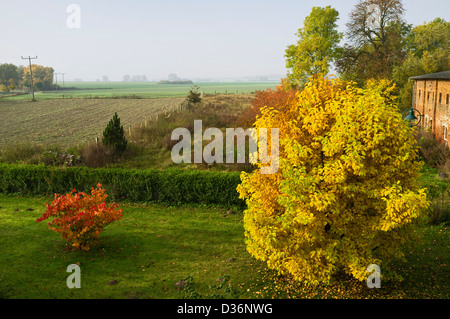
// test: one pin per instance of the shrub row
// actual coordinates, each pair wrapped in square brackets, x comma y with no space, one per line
[160,186]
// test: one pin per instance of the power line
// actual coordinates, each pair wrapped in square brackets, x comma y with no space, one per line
[31,73]
[57,80]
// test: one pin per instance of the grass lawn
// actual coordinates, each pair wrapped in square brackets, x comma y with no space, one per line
[141,256]
[154,246]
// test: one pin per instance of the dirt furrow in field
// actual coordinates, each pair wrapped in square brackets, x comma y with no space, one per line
[68,122]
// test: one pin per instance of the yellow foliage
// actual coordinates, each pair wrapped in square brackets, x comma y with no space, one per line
[347,186]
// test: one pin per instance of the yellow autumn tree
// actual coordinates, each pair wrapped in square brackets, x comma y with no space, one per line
[346,191]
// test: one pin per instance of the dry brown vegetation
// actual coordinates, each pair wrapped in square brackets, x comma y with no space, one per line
[150,141]
[43,131]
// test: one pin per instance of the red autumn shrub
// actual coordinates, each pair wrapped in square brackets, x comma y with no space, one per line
[275,98]
[80,217]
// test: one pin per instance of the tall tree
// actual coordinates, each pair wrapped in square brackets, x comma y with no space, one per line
[317,46]
[9,71]
[428,51]
[346,193]
[42,77]
[12,85]
[376,32]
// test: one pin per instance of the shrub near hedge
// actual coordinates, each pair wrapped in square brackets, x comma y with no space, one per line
[160,186]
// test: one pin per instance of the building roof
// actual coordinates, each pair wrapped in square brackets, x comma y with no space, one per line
[433,76]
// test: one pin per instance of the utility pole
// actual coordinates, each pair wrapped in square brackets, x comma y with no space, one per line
[31,73]
[63,80]
[56,74]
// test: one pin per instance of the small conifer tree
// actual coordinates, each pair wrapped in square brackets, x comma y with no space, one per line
[194,95]
[114,136]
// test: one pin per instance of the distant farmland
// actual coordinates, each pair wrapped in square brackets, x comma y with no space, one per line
[76,116]
[145,89]
[70,122]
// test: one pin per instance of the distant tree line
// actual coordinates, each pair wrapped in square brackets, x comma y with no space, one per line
[172,78]
[176,82]
[14,77]
[134,78]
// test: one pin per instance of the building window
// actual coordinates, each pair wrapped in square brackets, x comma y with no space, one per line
[440,98]
[447,100]
[428,96]
[419,94]
[428,123]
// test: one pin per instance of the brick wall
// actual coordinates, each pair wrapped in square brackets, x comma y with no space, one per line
[432,99]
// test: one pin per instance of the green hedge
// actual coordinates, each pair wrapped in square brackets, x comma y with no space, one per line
[160,186]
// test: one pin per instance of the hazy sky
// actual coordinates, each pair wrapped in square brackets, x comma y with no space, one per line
[196,38]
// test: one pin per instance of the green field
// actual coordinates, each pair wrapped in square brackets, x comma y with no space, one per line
[145,89]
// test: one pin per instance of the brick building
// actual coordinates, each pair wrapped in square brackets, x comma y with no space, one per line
[431,97]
